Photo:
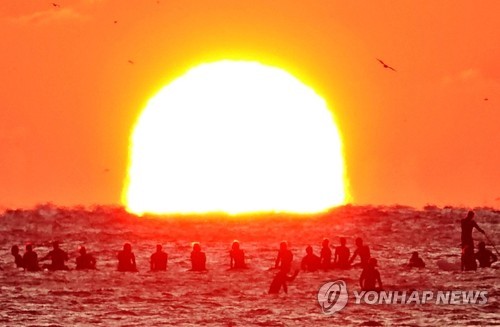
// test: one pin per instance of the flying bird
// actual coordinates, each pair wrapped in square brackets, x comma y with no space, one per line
[56,5]
[485,99]
[131,62]
[385,65]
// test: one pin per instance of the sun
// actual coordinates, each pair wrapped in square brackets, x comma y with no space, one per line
[235,137]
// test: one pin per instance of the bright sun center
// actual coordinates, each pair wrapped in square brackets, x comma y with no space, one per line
[235,137]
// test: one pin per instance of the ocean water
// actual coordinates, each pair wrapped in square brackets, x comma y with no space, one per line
[221,297]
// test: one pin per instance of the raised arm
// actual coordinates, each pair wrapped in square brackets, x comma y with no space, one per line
[378,279]
[278,259]
[354,255]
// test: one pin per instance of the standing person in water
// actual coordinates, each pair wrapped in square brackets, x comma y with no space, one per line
[30,259]
[237,257]
[416,261]
[198,258]
[285,258]
[467,225]
[280,281]
[58,258]
[310,262]
[370,277]
[18,259]
[342,254]
[85,260]
[159,259]
[126,259]
[484,256]
[363,251]
[326,255]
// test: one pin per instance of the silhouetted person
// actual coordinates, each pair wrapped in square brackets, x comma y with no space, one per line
[280,281]
[159,259]
[85,260]
[198,258]
[468,224]
[370,277]
[285,258]
[30,259]
[326,255]
[468,258]
[126,259]
[342,254]
[310,262]
[237,256]
[58,258]
[416,261]
[18,259]
[485,256]
[363,251]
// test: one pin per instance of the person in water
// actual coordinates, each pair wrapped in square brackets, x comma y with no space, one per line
[342,254]
[363,251]
[370,277]
[85,260]
[126,259]
[416,261]
[236,257]
[484,256]
[198,258]
[467,225]
[310,262]
[18,259]
[280,280]
[30,259]
[285,258]
[326,255]
[159,259]
[58,258]
[468,258]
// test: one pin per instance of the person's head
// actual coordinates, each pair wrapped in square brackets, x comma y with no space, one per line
[14,250]
[283,245]
[359,242]
[342,241]
[470,215]
[196,247]
[236,245]
[127,247]
[55,245]
[481,246]
[29,247]
[325,243]
[159,247]
[82,250]
[372,262]
[309,249]
[414,255]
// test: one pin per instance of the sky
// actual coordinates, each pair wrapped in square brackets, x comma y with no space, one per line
[76,76]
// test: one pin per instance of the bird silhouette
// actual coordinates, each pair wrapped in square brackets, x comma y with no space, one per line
[385,65]
[131,62]
[56,5]
[485,99]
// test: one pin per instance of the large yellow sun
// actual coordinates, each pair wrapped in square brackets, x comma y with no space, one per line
[235,137]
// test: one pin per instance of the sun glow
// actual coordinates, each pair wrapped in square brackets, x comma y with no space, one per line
[235,137]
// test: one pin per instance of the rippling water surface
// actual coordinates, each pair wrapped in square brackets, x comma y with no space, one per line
[236,298]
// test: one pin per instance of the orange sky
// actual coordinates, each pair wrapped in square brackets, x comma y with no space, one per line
[421,135]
